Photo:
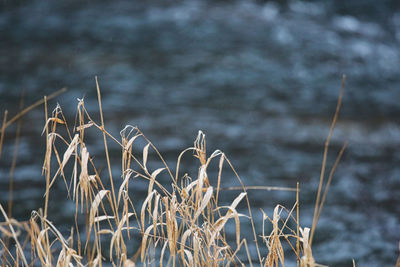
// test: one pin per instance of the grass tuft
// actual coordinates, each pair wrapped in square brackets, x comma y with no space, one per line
[179,221]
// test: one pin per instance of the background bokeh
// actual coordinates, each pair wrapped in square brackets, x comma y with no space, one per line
[260,78]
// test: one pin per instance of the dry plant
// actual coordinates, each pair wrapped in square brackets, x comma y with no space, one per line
[177,223]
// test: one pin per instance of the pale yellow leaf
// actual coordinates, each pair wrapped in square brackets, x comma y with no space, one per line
[204,202]
[145,154]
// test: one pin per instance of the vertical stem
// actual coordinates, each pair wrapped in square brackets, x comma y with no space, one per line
[14,160]
[3,128]
[328,183]
[47,163]
[322,175]
[47,173]
[107,154]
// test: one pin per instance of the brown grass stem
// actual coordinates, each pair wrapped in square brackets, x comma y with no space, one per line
[106,150]
[14,159]
[325,155]
[3,128]
[328,183]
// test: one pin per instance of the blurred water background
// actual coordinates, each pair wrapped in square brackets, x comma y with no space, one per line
[260,78]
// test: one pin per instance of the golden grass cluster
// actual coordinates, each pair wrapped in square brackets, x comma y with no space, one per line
[178,224]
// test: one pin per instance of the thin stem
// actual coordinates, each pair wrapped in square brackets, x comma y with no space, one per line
[3,128]
[107,153]
[328,183]
[47,173]
[322,175]
[14,160]
[47,162]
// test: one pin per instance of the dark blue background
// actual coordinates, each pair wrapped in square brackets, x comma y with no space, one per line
[261,79]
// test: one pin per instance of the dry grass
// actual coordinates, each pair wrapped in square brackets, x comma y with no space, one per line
[179,223]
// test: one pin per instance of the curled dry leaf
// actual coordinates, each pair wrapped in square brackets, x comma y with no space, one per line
[153,178]
[204,202]
[85,126]
[145,155]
